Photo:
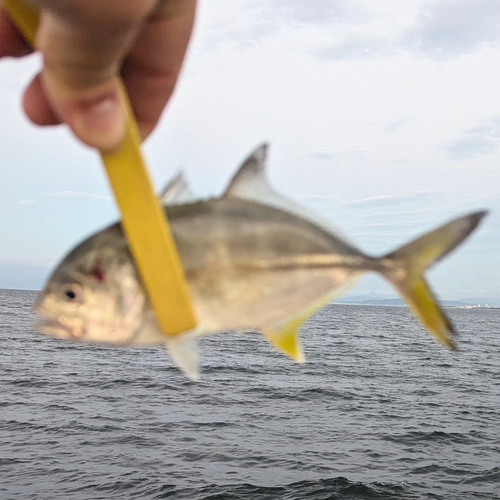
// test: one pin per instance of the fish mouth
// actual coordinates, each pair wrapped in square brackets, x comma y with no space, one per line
[54,327]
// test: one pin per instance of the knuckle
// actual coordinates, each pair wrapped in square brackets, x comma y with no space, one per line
[79,75]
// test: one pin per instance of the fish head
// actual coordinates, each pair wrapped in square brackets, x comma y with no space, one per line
[94,295]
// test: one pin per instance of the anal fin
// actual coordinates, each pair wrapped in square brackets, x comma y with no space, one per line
[286,339]
[285,336]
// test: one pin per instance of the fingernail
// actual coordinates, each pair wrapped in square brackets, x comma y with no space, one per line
[100,122]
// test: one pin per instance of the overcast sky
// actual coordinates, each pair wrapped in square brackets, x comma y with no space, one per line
[383,116]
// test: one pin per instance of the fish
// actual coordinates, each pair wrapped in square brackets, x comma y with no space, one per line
[253,259]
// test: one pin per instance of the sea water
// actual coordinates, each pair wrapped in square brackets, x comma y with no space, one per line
[379,411]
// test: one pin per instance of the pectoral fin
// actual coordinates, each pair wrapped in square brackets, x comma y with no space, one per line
[184,352]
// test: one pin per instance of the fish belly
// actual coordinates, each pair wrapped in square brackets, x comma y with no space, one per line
[244,301]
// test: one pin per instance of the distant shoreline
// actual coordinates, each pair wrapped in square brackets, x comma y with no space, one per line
[454,304]
[372,304]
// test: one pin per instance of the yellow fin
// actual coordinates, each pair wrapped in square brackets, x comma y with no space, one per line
[406,265]
[424,305]
[286,339]
[285,336]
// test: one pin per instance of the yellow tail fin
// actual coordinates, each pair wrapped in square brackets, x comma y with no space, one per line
[405,266]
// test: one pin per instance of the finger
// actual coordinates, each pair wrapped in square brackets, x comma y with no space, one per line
[36,105]
[11,41]
[82,55]
[152,66]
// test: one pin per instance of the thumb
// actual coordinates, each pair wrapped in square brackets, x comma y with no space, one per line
[82,59]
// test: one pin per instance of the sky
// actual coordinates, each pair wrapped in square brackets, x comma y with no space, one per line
[384,117]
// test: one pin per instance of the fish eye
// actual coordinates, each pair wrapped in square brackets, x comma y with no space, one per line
[73,293]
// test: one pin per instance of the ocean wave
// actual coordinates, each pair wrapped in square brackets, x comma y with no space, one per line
[339,488]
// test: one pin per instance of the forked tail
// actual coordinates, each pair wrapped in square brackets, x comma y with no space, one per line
[404,269]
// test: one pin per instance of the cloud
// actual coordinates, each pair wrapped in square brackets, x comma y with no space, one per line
[330,155]
[380,237]
[395,213]
[320,196]
[310,12]
[340,29]
[474,142]
[258,20]
[397,225]
[393,199]
[448,28]
[394,126]
[354,46]
[77,194]
[27,202]
[441,29]
[322,154]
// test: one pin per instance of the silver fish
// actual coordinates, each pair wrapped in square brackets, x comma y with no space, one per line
[253,259]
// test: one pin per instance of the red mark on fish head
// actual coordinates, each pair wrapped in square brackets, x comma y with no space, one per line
[98,273]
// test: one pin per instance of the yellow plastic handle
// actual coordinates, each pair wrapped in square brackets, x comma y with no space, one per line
[143,218]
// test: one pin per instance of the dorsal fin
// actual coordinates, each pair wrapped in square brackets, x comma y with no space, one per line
[250,183]
[176,191]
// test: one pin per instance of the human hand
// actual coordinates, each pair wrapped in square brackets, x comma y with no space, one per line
[86,45]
